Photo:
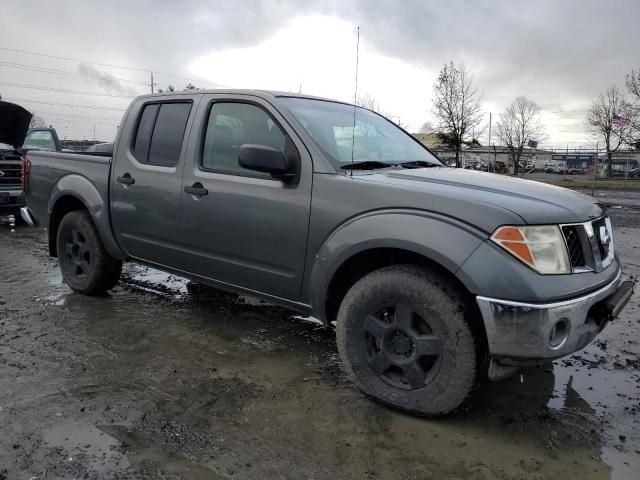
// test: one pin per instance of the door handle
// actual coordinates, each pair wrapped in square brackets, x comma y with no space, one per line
[196,189]
[126,179]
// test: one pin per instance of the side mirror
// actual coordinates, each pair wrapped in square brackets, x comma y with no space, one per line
[263,158]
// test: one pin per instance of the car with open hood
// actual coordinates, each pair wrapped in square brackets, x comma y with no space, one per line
[14,125]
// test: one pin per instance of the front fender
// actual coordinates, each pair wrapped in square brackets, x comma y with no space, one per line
[441,239]
[82,189]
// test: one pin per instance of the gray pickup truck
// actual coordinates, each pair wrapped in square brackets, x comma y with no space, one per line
[436,278]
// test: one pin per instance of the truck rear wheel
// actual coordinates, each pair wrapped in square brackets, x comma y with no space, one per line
[85,264]
[404,339]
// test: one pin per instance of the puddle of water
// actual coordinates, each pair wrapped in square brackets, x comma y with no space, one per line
[73,442]
[598,392]
[57,300]
[144,452]
[147,278]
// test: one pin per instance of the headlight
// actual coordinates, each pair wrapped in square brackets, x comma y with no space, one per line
[540,247]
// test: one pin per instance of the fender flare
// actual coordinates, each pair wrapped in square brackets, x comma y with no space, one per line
[81,188]
[443,240]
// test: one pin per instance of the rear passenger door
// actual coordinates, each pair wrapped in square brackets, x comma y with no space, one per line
[146,180]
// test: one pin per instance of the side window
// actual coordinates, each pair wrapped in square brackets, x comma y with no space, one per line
[160,133]
[143,135]
[232,125]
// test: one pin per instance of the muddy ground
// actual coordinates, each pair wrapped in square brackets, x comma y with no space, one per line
[165,379]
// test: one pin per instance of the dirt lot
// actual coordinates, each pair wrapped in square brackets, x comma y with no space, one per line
[165,379]
[585,181]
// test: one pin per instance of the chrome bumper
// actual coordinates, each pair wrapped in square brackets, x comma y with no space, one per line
[520,333]
[27,216]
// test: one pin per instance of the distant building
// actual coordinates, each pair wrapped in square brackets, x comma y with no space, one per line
[431,140]
[574,160]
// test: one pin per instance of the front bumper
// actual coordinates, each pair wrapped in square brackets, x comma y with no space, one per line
[521,333]
[11,202]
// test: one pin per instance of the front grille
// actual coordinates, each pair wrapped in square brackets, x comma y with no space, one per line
[574,245]
[589,245]
[11,174]
[602,248]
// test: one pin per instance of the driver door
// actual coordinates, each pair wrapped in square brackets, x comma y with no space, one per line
[248,229]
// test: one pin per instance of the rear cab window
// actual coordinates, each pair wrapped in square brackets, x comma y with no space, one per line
[160,133]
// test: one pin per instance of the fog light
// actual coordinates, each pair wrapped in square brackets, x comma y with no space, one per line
[559,333]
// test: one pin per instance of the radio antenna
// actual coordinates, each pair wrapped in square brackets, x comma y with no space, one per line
[355,100]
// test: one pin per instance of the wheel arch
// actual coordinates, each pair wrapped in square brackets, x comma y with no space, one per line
[75,192]
[380,239]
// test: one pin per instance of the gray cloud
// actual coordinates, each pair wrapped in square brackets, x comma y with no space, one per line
[559,53]
[106,80]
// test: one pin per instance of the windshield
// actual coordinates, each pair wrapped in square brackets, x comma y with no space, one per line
[330,124]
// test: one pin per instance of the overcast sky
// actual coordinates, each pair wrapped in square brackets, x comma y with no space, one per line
[559,53]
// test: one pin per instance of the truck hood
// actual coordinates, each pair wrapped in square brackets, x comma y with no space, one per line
[534,202]
[14,124]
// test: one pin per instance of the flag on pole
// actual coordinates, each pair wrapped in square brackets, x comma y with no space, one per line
[619,121]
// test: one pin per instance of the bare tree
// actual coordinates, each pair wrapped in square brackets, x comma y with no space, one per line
[600,117]
[37,122]
[191,86]
[633,87]
[456,104]
[169,89]
[519,123]
[633,84]
[368,102]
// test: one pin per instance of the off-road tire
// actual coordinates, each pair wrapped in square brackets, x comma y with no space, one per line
[432,301]
[85,264]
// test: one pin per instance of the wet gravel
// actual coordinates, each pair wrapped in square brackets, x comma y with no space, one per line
[171,380]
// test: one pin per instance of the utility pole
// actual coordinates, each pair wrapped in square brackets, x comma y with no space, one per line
[566,162]
[595,164]
[489,145]
[151,81]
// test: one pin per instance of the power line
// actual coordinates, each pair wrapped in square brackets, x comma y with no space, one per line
[74,121]
[16,50]
[36,68]
[110,65]
[64,90]
[80,117]
[95,107]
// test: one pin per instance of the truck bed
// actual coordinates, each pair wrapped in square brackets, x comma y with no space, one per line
[48,170]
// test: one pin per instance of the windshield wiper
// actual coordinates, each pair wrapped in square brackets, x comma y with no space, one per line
[367,165]
[418,164]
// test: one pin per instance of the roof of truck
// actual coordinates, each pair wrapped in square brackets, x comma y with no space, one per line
[258,93]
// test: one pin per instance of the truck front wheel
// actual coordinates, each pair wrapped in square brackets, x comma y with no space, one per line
[85,264]
[404,339]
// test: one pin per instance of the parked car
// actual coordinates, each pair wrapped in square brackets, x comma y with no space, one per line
[634,173]
[435,278]
[42,139]
[14,123]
